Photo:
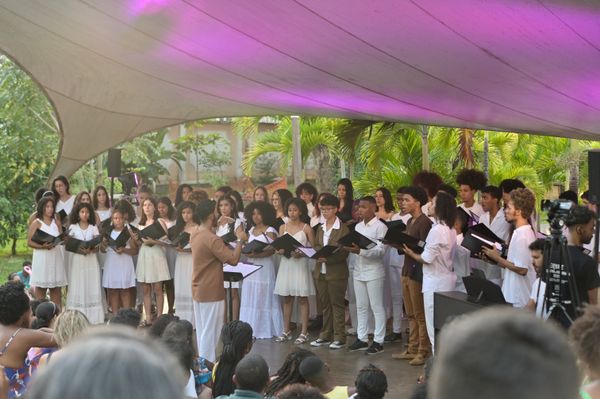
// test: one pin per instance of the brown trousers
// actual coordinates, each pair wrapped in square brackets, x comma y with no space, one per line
[331,294]
[418,340]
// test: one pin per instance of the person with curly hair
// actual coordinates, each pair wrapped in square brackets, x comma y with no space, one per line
[431,183]
[469,182]
[519,273]
[583,335]
[289,373]
[237,342]
[16,338]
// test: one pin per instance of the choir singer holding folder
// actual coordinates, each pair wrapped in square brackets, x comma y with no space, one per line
[331,276]
[209,253]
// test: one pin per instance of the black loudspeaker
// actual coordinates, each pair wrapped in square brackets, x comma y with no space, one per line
[113,163]
[594,175]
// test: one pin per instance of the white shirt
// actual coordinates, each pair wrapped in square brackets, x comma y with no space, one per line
[438,274]
[394,258]
[475,211]
[539,298]
[462,263]
[66,205]
[326,235]
[369,262]
[501,228]
[516,288]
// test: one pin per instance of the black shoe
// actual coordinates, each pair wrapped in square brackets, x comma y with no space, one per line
[393,337]
[358,345]
[374,349]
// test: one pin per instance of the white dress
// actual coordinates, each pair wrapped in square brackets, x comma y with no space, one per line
[221,231]
[119,272]
[259,306]
[67,206]
[104,214]
[48,266]
[85,293]
[184,303]
[171,252]
[294,278]
[152,264]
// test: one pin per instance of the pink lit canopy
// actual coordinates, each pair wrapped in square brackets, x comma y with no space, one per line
[115,69]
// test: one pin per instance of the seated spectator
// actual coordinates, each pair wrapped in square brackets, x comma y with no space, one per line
[585,339]
[502,353]
[160,324]
[69,325]
[25,274]
[184,354]
[45,316]
[127,317]
[16,338]
[251,377]
[110,362]
[237,340]
[300,391]
[316,373]
[371,383]
[289,373]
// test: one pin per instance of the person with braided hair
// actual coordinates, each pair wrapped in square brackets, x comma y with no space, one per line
[237,342]
[289,373]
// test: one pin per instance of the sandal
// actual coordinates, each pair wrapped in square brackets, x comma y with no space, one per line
[144,324]
[285,336]
[302,339]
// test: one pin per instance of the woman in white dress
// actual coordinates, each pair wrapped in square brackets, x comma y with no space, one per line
[294,279]
[152,269]
[84,281]
[119,273]
[226,216]
[48,261]
[101,203]
[261,307]
[167,213]
[184,303]
[308,193]
[62,195]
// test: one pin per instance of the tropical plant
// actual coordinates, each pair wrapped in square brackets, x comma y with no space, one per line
[210,150]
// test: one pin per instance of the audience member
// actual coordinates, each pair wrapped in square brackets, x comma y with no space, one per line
[237,342]
[69,325]
[251,378]
[300,391]
[45,313]
[110,362]
[503,353]
[316,373]
[584,335]
[289,373]
[128,317]
[371,383]
[162,321]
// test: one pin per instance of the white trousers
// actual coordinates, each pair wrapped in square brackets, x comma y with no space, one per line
[395,275]
[428,305]
[370,293]
[209,321]
[351,297]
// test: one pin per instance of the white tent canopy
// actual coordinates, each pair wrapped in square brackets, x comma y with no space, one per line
[115,69]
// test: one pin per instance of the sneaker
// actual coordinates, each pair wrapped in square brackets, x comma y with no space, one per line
[320,342]
[358,345]
[392,337]
[337,345]
[419,360]
[375,348]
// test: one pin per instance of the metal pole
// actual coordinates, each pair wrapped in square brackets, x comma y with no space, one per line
[297,153]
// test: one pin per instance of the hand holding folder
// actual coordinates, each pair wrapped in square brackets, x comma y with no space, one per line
[355,238]
[324,252]
[154,232]
[79,246]
[43,238]
[480,236]
[287,243]
[120,241]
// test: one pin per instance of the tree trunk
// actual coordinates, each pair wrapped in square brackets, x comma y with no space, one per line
[325,169]
[99,170]
[425,147]
[13,248]
[574,177]
[486,154]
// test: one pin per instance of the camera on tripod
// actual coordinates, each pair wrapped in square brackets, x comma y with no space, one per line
[557,210]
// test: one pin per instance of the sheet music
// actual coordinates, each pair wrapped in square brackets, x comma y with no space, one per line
[245,269]
[308,251]
[488,242]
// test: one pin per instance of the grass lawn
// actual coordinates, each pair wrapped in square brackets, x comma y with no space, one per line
[8,263]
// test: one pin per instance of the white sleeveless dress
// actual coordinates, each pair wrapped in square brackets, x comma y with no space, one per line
[294,277]
[259,306]
[48,266]
[119,272]
[152,264]
[184,302]
[220,232]
[85,292]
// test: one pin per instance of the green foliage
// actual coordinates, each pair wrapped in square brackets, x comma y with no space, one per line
[211,152]
[28,147]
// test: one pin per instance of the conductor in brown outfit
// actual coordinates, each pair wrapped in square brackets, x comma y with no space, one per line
[209,252]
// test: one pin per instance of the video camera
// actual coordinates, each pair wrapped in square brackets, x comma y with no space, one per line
[557,210]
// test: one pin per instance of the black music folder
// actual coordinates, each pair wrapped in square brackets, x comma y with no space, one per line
[354,237]
[324,252]
[155,231]
[230,236]
[394,224]
[120,241]
[401,238]
[41,237]
[181,240]
[255,246]
[62,215]
[75,245]
[105,224]
[480,236]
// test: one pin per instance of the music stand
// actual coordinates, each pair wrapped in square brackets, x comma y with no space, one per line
[233,274]
[483,291]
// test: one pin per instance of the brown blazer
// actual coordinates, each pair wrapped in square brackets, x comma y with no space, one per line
[337,268]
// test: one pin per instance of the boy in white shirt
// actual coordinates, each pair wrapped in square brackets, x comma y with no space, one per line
[369,275]
[519,273]
[469,182]
[536,298]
